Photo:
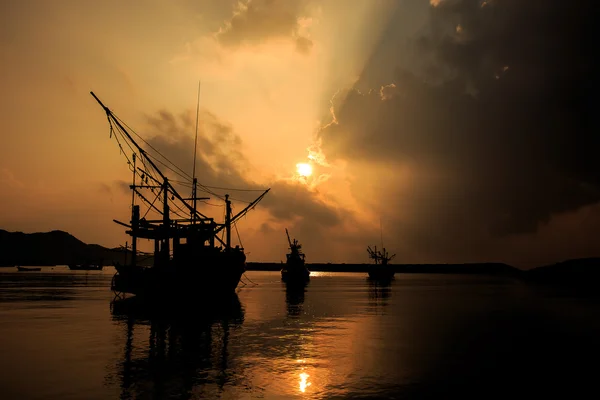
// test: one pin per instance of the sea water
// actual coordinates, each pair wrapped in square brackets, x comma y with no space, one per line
[342,336]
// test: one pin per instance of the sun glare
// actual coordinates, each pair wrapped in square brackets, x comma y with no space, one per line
[304,169]
[304,381]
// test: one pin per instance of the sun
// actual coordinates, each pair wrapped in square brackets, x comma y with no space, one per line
[304,169]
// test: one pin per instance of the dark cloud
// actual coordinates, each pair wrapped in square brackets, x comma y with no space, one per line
[496,124]
[291,200]
[257,21]
[219,160]
[117,188]
[221,164]
[303,45]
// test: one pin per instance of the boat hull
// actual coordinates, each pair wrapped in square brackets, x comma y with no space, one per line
[381,274]
[85,267]
[179,282]
[24,269]
[295,275]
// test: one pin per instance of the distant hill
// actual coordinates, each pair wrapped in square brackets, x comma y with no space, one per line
[62,248]
[496,269]
[52,248]
[579,272]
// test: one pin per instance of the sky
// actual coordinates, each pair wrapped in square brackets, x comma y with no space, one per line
[450,131]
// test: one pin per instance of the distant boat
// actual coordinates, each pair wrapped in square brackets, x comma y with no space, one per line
[25,269]
[381,270]
[295,270]
[85,267]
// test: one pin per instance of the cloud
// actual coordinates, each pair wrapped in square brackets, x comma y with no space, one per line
[257,21]
[494,137]
[8,179]
[221,164]
[220,160]
[292,200]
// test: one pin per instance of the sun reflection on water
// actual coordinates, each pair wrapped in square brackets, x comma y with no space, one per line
[304,381]
[303,377]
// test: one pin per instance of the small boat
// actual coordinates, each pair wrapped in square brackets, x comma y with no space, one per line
[25,269]
[295,270]
[381,270]
[86,267]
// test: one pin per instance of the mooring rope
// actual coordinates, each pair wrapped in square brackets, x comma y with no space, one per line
[251,281]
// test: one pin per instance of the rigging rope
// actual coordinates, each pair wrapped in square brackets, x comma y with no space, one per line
[149,145]
[151,205]
[238,234]
[210,204]
[251,281]
[165,165]
[237,190]
[147,171]
[151,171]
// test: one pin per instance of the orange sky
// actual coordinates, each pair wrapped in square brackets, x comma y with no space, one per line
[274,74]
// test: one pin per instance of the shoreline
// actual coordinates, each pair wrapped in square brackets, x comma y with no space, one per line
[479,268]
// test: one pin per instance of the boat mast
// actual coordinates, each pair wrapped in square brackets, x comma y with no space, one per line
[243,212]
[135,218]
[133,183]
[166,223]
[381,233]
[194,179]
[288,237]
[227,222]
[379,256]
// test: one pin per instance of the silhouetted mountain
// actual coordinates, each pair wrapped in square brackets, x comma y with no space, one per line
[62,248]
[498,269]
[52,248]
[578,272]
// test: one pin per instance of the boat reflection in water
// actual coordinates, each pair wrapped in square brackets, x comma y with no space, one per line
[379,292]
[175,353]
[294,298]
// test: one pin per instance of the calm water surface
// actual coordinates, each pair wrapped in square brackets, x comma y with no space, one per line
[423,336]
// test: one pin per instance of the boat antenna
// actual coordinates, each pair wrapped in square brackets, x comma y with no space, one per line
[194,179]
[133,191]
[381,231]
